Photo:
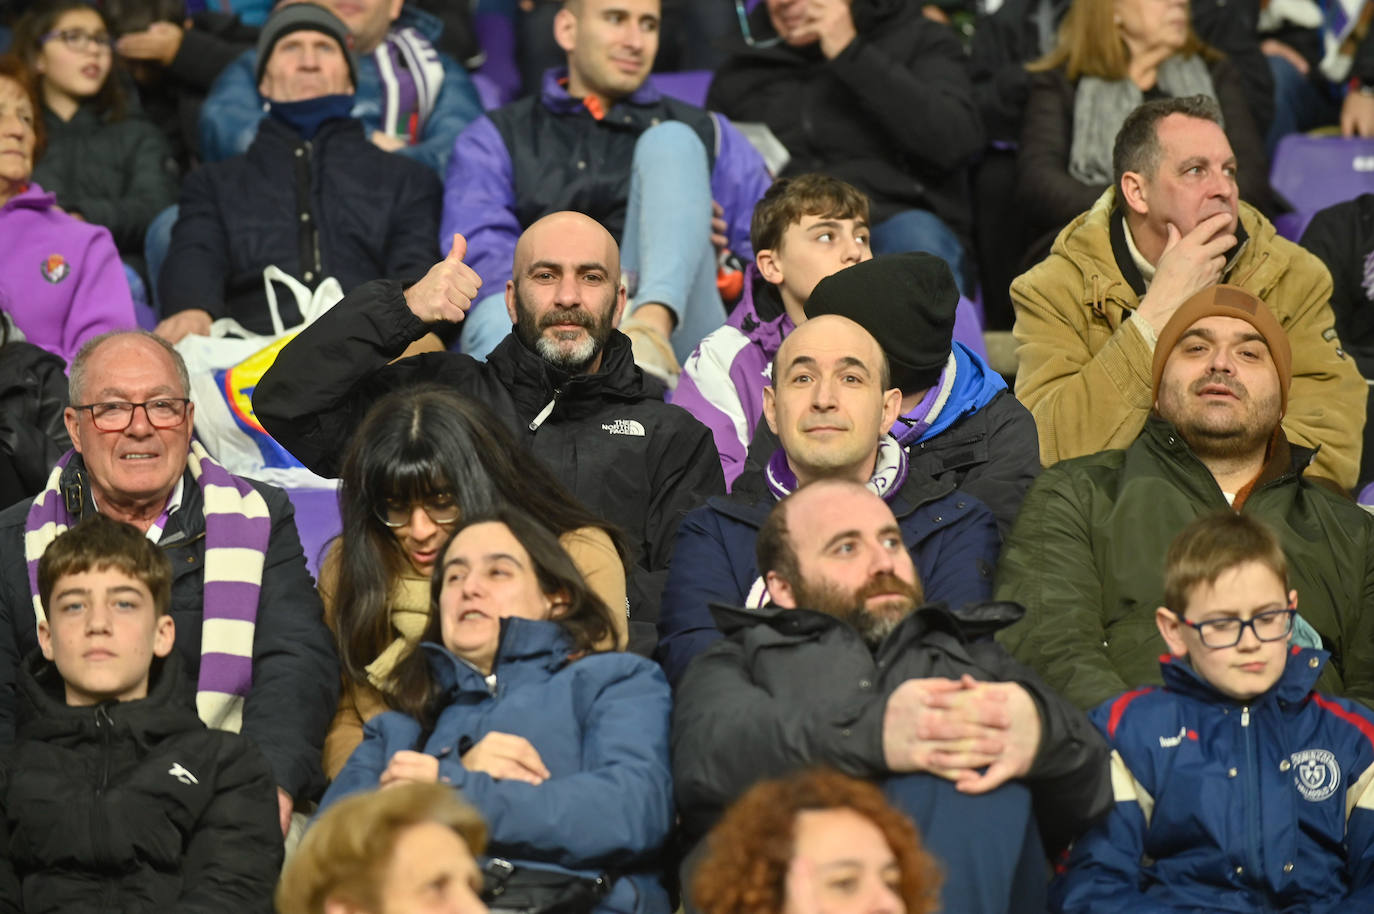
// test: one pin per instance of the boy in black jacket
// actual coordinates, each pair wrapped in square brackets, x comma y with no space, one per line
[116,796]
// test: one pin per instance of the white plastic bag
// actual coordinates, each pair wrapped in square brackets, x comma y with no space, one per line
[226,366]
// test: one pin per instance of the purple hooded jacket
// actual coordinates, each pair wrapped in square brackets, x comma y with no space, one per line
[723,379]
[479,197]
[60,278]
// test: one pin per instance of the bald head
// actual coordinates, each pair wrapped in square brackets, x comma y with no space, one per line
[830,404]
[567,232]
[834,330]
[565,296]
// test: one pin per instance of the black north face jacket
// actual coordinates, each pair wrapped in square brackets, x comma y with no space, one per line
[638,462]
[134,806]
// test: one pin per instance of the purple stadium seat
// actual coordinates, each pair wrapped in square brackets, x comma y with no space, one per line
[317,519]
[145,315]
[1314,172]
[497,80]
[689,86]
[968,327]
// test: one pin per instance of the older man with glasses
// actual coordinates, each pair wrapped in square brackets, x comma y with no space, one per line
[249,623]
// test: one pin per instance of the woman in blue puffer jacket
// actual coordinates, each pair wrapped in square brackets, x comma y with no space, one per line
[561,746]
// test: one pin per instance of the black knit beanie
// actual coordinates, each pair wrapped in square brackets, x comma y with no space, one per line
[302,17]
[907,301]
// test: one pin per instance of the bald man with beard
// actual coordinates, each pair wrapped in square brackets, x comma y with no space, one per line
[564,380]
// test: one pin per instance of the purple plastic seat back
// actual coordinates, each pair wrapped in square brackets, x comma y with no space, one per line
[317,519]
[968,327]
[688,86]
[1314,172]
[497,80]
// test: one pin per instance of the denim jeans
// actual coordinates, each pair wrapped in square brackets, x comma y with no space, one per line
[1299,104]
[486,325]
[987,845]
[155,244]
[922,230]
[666,252]
[670,187]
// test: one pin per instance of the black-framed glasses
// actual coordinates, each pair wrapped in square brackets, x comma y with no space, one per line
[117,415]
[441,508]
[748,33]
[1270,625]
[79,39]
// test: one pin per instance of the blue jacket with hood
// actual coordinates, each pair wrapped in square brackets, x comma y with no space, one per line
[600,725]
[1223,806]
[980,437]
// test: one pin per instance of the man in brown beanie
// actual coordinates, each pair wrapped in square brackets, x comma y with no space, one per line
[1086,556]
[1088,316]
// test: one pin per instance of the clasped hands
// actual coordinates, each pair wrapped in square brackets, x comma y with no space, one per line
[977,734]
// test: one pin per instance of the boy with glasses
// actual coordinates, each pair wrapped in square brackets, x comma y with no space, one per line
[1238,787]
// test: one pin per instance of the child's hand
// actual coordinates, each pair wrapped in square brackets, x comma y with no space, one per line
[504,755]
[410,766]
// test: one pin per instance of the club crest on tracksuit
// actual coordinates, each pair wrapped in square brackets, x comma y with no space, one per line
[54,268]
[1316,774]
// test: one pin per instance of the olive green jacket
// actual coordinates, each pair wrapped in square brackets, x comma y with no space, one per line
[1084,373]
[1086,559]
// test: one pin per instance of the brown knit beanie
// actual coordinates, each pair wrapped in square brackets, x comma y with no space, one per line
[1227,301]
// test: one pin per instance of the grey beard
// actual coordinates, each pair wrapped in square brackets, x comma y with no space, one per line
[573,360]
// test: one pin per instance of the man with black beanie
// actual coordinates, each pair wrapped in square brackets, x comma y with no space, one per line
[958,422]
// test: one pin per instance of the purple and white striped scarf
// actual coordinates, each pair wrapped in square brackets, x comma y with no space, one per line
[412,75]
[889,471]
[237,529]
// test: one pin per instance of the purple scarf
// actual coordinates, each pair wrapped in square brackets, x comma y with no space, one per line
[237,524]
[889,471]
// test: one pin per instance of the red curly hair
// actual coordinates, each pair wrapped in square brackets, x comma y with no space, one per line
[749,851]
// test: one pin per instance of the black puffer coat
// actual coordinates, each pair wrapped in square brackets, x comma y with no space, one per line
[133,807]
[893,113]
[119,174]
[333,206]
[33,395]
[636,461]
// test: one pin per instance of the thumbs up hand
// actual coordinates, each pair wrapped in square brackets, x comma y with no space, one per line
[447,291]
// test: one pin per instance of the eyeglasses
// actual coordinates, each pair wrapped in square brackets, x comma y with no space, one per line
[748,33]
[441,509]
[1270,625]
[117,415]
[79,39]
